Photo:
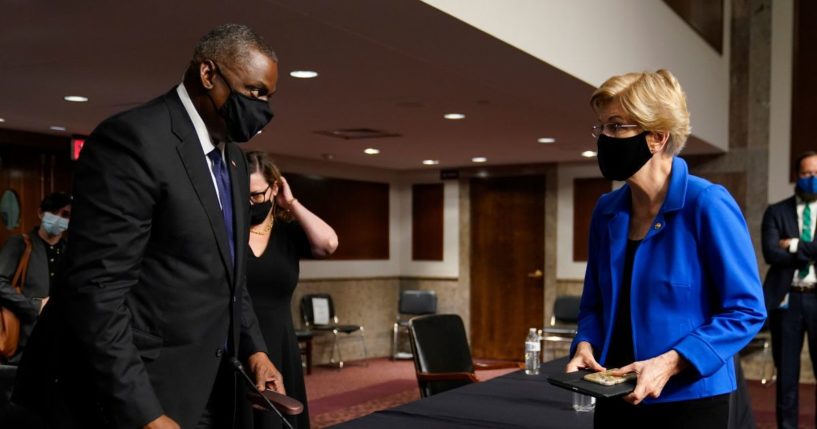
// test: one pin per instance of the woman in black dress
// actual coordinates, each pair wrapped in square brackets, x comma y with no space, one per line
[283,232]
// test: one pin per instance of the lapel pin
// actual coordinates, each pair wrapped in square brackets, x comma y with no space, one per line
[233,162]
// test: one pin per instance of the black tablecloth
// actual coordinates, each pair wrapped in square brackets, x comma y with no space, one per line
[514,400]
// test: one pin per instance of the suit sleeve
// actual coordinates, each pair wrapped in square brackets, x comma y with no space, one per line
[590,309]
[730,265]
[24,308]
[252,341]
[771,234]
[115,195]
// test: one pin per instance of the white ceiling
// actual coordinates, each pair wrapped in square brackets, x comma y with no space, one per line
[395,65]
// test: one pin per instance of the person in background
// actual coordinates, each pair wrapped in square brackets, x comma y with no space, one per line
[791,285]
[283,232]
[48,246]
[152,312]
[671,291]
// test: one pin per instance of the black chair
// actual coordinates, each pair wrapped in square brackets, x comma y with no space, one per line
[562,326]
[442,357]
[412,303]
[321,305]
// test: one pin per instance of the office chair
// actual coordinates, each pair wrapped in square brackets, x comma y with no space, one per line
[412,303]
[442,357]
[318,313]
[562,326]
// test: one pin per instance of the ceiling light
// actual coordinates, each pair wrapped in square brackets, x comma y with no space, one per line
[431,162]
[454,116]
[57,128]
[479,159]
[588,154]
[371,151]
[328,156]
[2,120]
[303,74]
[75,98]
[546,140]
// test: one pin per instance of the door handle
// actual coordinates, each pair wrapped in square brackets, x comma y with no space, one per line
[538,274]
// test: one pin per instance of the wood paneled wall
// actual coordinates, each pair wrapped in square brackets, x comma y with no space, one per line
[357,210]
[804,83]
[427,222]
[585,194]
[33,165]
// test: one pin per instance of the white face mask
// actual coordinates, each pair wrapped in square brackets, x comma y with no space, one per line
[53,224]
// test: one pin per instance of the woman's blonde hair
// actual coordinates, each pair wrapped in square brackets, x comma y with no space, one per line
[655,101]
[260,162]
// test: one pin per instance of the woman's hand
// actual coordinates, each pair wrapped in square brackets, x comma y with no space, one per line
[653,375]
[583,359]
[284,198]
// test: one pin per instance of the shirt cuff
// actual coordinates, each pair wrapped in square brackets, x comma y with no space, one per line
[793,242]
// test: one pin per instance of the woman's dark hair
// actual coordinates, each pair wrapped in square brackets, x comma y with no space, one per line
[260,162]
[55,201]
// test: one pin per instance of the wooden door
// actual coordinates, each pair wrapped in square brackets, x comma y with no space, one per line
[507,263]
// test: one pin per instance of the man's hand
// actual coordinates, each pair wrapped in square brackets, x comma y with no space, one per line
[265,373]
[583,359]
[163,422]
[784,243]
[653,375]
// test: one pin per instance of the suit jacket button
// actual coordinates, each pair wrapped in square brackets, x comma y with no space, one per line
[219,352]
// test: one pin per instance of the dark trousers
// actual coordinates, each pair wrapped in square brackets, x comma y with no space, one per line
[218,413]
[705,413]
[788,327]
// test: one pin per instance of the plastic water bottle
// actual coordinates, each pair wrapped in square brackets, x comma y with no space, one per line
[532,348]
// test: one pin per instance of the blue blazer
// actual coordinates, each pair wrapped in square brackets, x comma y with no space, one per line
[695,284]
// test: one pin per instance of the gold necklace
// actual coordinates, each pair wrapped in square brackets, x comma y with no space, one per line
[266,228]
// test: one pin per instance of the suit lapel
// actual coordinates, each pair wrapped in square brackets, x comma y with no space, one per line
[792,226]
[195,165]
[240,190]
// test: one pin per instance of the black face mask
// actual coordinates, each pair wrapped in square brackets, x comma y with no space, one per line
[620,158]
[259,212]
[245,116]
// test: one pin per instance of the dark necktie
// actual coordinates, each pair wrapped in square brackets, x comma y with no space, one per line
[224,195]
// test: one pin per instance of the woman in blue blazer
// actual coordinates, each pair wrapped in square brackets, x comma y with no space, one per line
[671,290]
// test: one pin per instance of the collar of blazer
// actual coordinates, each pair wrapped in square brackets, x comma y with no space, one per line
[195,165]
[619,201]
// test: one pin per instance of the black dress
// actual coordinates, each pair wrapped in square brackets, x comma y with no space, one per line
[271,280]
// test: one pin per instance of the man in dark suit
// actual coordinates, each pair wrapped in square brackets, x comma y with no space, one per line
[154,301]
[790,292]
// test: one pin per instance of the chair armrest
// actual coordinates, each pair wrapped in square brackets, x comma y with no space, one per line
[483,365]
[447,376]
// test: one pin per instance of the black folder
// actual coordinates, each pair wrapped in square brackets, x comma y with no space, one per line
[574,381]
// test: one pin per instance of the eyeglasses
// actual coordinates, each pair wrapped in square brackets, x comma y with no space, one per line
[610,129]
[259,197]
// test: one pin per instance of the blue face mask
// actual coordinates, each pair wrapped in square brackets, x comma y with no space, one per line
[53,224]
[807,185]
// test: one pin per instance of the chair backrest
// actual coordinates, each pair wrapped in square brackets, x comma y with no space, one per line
[316,301]
[439,344]
[417,302]
[566,308]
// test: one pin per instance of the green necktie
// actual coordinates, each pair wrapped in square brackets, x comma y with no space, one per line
[805,235]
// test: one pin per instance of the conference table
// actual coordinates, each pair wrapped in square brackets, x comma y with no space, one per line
[514,400]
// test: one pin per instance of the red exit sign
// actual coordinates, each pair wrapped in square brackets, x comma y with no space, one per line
[76,146]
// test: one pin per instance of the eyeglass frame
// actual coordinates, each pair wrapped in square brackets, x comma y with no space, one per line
[261,193]
[599,129]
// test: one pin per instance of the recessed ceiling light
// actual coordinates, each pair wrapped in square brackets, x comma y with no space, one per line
[75,98]
[371,151]
[328,156]
[588,154]
[57,128]
[303,74]
[479,159]
[2,120]
[454,116]
[431,162]
[546,140]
